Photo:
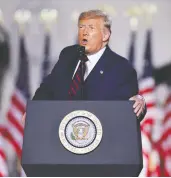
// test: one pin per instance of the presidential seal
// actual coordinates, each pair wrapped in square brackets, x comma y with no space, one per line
[80,132]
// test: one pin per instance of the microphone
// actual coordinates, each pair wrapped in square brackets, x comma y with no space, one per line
[81,51]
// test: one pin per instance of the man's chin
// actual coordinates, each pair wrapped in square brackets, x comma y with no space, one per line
[87,50]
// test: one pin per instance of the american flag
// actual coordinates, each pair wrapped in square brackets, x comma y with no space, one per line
[46,61]
[14,128]
[146,86]
[165,140]
[151,157]
[4,63]
[131,51]
[3,156]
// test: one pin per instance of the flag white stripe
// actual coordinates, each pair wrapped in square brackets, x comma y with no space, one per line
[17,114]
[168,108]
[146,143]
[3,163]
[149,97]
[167,125]
[20,97]
[146,88]
[146,83]
[150,113]
[3,167]
[168,164]
[16,134]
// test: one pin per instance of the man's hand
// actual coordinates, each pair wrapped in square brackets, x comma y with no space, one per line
[139,105]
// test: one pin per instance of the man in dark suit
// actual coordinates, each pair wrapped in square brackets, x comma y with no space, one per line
[107,76]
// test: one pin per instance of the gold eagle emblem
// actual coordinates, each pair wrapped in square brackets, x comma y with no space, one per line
[80,130]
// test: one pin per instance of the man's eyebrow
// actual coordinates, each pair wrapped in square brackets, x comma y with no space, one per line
[90,25]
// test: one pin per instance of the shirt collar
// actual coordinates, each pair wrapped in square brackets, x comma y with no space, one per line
[97,55]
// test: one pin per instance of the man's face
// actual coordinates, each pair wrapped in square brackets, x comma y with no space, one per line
[91,34]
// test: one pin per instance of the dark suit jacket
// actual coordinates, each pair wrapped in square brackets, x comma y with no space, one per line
[117,82]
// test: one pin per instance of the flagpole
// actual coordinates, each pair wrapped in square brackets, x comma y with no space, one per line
[111,11]
[149,11]
[133,14]
[48,17]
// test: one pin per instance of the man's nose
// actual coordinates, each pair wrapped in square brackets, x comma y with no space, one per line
[85,32]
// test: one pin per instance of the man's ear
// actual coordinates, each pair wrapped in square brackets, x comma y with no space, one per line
[106,34]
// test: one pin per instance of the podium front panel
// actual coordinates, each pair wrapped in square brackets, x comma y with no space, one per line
[119,149]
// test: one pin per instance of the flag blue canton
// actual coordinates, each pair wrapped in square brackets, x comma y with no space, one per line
[22,83]
[131,52]
[46,61]
[148,68]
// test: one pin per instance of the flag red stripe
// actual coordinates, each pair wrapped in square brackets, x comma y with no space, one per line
[168,100]
[1,175]
[18,104]
[150,105]
[148,121]
[2,154]
[168,152]
[15,144]
[10,138]
[168,115]
[147,134]
[15,122]
[145,154]
[166,133]
[166,174]
[146,90]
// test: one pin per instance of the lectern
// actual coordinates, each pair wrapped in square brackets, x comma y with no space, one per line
[81,139]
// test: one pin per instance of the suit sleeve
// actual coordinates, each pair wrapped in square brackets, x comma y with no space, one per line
[130,88]
[45,90]
[129,85]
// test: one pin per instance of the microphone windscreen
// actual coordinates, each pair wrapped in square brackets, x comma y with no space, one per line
[81,50]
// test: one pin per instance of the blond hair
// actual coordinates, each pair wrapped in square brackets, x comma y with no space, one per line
[92,14]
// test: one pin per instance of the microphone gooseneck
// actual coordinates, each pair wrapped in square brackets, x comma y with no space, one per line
[81,50]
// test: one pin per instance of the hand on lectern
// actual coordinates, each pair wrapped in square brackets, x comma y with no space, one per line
[139,105]
[23,119]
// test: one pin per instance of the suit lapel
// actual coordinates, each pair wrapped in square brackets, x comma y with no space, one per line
[95,77]
[100,68]
[95,84]
[65,77]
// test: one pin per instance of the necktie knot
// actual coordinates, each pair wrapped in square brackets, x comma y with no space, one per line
[84,58]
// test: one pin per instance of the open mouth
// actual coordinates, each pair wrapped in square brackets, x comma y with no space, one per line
[84,41]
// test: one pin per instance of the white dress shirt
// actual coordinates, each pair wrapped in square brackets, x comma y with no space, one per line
[92,60]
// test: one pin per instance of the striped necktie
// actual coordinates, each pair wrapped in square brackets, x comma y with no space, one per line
[76,87]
